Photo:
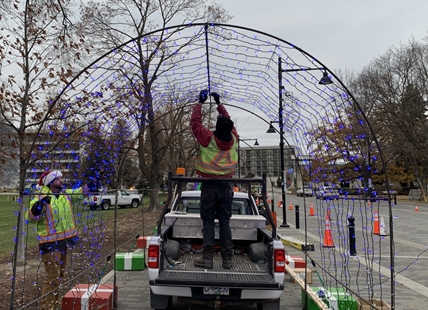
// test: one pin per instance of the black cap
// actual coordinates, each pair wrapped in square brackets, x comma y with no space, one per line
[224,124]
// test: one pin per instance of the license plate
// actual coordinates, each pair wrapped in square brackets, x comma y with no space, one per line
[216,290]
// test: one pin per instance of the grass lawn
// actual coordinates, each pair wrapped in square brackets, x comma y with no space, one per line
[9,220]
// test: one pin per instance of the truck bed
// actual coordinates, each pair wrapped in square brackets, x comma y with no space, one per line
[243,273]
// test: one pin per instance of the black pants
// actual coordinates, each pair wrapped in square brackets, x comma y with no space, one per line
[216,202]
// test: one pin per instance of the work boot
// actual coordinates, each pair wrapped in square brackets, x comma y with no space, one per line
[227,261]
[227,264]
[206,261]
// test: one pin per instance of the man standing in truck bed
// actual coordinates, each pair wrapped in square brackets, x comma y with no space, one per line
[217,159]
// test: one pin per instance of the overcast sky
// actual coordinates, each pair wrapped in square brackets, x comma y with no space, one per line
[342,34]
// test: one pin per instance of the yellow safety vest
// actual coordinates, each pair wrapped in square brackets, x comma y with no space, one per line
[57,220]
[212,160]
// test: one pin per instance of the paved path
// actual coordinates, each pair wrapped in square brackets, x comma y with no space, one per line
[134,293]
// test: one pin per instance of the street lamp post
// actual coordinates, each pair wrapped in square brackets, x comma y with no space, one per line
[281,143]
[239,153]
[325,80]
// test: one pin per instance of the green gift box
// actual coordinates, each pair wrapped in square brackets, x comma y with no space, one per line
[130,261]
[335,298]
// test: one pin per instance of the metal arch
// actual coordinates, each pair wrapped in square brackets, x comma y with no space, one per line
[354,101]
[178,27]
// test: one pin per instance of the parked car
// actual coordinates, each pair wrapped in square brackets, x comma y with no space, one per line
[327,192]
[304,191]
[105,200]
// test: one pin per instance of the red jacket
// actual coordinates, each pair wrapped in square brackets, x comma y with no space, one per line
[203,135]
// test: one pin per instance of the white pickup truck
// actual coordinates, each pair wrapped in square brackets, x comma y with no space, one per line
[258,263]
[124,198]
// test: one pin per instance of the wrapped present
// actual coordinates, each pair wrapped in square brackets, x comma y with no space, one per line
[89,297]
[295,261]
[335,298]
[143,242]
[130,261]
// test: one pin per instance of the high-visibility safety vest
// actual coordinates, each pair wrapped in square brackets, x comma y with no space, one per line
[212,160]
[57,220]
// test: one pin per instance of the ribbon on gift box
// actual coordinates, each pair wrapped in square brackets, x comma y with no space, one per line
[84,299]
[127,261]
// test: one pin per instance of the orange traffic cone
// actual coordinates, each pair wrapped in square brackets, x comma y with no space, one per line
[416,209]
[328,239]
[279,204]
[376,227]
[328,214]
[290,207]
[257,201]
[311,210]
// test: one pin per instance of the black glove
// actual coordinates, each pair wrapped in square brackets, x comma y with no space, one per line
[216,97]
[46,200]
[203,96]
[38,206]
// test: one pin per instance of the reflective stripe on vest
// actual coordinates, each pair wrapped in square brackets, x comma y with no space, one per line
[50,227]
[212,160]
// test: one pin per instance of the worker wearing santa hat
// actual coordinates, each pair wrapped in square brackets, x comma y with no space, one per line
[53,214]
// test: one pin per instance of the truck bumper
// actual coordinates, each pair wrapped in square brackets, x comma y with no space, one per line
[171,290]
[236,293]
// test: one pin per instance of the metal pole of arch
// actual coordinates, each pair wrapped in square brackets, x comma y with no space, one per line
[208,69]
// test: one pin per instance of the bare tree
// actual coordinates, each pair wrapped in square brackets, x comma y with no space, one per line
[393,90]
[111,23]
[9,159]
[39,55]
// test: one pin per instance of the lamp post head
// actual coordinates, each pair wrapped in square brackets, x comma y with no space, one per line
[256,143]
[325,80]
[271,129]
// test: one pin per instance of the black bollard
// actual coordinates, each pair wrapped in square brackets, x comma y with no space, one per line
[297,216]
[352,247]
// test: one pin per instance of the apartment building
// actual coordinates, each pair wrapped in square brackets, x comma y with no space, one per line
[258,160]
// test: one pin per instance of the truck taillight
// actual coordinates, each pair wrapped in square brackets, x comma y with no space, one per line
[153,256]
[279,260]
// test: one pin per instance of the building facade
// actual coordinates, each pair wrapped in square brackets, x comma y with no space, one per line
[258,160]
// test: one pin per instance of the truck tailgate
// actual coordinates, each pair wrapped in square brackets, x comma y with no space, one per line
[243,273]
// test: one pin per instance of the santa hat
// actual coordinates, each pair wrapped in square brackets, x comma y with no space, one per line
[48,176]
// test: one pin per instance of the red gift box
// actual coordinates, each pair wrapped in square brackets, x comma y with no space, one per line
[88,297]
[143,242]
[295,261]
